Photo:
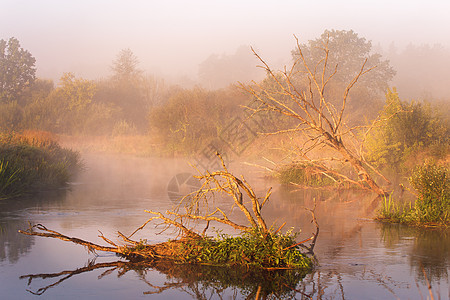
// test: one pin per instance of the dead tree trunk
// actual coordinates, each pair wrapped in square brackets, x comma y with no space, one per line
[315,116]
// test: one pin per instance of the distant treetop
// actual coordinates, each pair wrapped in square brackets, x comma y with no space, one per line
[17,70]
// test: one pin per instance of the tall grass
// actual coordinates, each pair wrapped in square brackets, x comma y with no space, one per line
[432,206]
[394,211]
[304,174]
[33,161]
[9,180]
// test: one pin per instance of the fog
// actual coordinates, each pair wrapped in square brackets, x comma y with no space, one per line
[172,38]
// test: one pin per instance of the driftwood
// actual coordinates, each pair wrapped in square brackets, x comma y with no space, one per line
[196,207]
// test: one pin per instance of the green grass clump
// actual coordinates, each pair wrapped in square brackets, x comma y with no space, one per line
[251,249]
[432,183]
[29,164]
[303,174]
[432,206]
[394,212]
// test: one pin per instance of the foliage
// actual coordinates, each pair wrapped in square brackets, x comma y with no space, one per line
[17,70]
[394,212]
[130,92]
[80,106]
[69,109]
[125,67]
[432,205]
[251,249]
[190,119]
[432,183]
[10,116]
[406,130]
[33,161]
[10,184]
[76,92]
[347,53]
[304,174]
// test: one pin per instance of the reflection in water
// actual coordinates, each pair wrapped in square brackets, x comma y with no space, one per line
[12,244]
[430,251]
[200,282]
[207,282]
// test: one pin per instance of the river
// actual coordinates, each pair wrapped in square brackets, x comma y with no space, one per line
[358,258]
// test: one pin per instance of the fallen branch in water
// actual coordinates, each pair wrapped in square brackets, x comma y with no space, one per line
[257,246]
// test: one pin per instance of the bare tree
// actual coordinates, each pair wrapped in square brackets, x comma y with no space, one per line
[299,94]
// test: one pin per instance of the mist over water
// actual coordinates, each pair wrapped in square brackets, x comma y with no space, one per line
[357,256]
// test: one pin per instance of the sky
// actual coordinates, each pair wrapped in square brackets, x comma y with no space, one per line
[171,37]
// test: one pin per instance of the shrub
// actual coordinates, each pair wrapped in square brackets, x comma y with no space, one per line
[432,183]
[408,131]
[432,205]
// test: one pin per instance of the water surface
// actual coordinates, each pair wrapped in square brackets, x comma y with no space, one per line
[358,258]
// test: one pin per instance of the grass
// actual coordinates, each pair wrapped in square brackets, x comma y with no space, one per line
[304,174]
[33,161]
[395,212]
[250,249]
[432,206]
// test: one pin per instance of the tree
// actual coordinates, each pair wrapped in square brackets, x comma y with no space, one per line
[125,67]
[17,70]
[319,122]
[406,130]
[127,90]
[347,52]
[77,92]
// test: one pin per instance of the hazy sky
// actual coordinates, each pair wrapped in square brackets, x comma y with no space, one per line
[172,37]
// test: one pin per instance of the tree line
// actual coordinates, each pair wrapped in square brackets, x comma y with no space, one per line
[129,102]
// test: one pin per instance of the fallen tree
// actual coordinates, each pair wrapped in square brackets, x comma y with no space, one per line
[315,119]
[257,246]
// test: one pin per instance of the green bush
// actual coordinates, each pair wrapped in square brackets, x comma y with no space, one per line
[432,206]
[407,131]
[251,249]
[432,183]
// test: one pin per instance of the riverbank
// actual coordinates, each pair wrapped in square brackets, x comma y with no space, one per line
[33,161]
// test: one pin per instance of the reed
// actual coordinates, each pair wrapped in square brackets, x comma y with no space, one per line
[432,206]
[33,161]
[304,174]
